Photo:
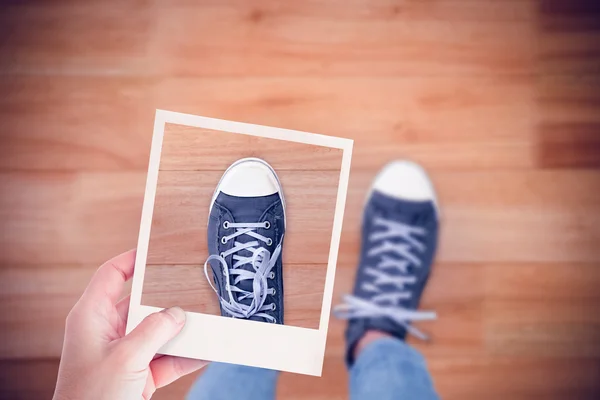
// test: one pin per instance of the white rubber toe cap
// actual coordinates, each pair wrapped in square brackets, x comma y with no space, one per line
[249,178]
[405,180]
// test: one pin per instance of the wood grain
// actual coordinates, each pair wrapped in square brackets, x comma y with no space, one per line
[570,37]
[191,164]
[570,144]
[531,328]
[458,377]
[318,38]
[498,100]
[178,234]
[286,39]
[104,123]
[50,291]
[187,287]
[68,218]
[551,379]
[568,88]
[567,133]
[34,302]
[507,216]
[75,38]
[27,379]
[512,216]
[194,149]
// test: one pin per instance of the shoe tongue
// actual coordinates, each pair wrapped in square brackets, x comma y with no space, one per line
[406,211]
[246,209]
[247,284]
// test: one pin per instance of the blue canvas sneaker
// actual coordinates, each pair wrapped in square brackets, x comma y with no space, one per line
[399,238]
[245,239]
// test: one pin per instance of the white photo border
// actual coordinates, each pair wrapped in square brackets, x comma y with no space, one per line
[214,338]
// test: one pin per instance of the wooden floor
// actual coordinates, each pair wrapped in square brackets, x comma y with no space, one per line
[192,162]
[499,100]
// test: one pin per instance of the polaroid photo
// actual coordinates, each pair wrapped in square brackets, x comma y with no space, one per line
[241,227]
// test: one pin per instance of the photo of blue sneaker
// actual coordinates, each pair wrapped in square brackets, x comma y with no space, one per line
[245,239]
[399,239]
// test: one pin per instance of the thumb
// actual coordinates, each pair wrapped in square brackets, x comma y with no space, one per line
[142,344]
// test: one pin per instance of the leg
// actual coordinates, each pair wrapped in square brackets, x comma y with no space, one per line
[388,368]
[232,382]
[239,228]
[399,239]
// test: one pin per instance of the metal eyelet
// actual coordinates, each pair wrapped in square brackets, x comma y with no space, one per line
[272,275]
[222,255]
[224,240]
[273,292]
[267,224]
[273,307]
[269,241]
[225,224]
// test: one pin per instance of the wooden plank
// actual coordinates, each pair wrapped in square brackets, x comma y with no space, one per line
[544,328]
[570,145]
[471,378]
[523,303]
[478,92]
[460,378]
[68,218]
[567,132]
[187,287]
[187,148]
[34,303]
[344,38]
[536,281]
[570,32]
[266,38]
[472,122]
[440,294]
[75,38]
[374,110]
[568,98]
[570,52]
[37,299]
[178,234]
[542,310]
[28,379]
[516,378]
[105,123]
[75,123]
[569,62]
[502,216]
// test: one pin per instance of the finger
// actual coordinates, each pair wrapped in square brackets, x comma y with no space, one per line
[109,279]
[149,389]
[150,335]
[122,309]
[168,369]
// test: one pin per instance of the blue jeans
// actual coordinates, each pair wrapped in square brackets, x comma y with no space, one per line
[385,369]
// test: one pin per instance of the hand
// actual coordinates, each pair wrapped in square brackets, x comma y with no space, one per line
[98,361]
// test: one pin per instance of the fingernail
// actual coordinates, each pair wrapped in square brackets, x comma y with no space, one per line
[177,313]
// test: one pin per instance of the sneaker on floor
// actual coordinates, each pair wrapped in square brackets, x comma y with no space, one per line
[399,238]
[245,238]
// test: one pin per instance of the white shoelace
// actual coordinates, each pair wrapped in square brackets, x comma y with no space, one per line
[385,304]
[262,262]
